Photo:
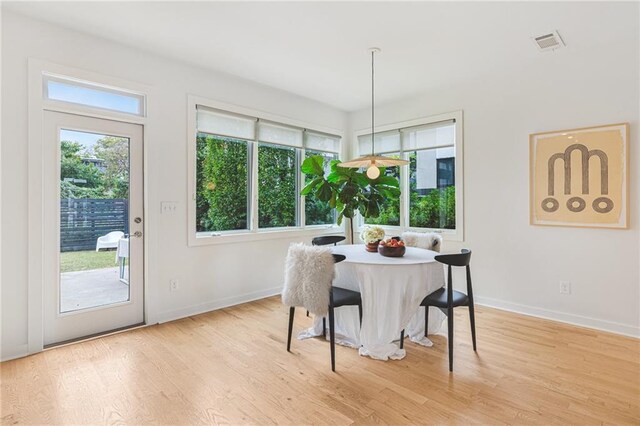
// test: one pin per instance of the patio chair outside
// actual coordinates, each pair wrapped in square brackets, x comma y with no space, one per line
[109,241]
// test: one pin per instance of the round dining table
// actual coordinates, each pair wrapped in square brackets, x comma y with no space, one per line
[392,289]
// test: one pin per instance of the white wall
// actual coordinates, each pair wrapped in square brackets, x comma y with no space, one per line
[210,276]
[515,265]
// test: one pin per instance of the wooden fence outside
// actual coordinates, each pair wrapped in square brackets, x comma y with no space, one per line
[83,220]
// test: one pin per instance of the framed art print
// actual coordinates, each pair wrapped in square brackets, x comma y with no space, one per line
[580,177]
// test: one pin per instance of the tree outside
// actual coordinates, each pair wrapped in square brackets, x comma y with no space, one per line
[101,171]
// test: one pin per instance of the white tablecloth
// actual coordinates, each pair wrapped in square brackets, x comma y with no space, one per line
[391,289]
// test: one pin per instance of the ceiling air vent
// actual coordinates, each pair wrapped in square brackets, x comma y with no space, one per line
[551,41]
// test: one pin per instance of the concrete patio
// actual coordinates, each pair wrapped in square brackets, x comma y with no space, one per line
[88,289]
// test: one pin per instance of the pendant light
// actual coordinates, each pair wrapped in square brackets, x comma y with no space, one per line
[373,161]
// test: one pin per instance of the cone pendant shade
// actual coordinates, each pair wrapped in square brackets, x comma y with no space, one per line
[373,161]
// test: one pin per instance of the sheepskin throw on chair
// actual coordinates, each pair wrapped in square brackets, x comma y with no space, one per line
[308,275]
[423,240]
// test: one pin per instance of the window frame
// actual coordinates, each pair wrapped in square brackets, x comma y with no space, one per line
[448,234]
[253,233]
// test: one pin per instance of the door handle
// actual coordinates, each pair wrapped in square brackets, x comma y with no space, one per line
[137,234]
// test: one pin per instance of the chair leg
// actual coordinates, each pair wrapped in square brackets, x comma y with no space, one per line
[292,312]
[402,339]
[426,321]
[450,337]
[324,327]
[307,313]
[472,319]
[332,338]
[360,313]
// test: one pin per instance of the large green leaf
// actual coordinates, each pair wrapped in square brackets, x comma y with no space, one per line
[388,181]
[313,166]
[373,209]
[389,192]
[332,201]
[349,190]
[361,179]
[310,186]
[324,191]
[336,177]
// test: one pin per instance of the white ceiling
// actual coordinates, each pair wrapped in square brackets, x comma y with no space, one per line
[319,50]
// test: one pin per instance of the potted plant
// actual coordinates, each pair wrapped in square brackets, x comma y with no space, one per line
[372,235]
[348,190]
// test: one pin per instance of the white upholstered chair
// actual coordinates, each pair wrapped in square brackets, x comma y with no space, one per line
[423,240]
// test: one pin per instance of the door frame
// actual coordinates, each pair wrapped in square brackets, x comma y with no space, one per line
[36,213]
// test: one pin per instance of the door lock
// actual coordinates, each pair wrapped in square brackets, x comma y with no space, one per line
[137,234]
[137,220]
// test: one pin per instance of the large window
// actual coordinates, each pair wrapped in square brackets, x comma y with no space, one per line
[431,186]
[277,189]
[222,183]
[247,174]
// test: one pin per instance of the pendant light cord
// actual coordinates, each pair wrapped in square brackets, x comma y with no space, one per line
[373,133]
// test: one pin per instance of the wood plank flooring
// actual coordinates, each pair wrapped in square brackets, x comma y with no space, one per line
[231,367]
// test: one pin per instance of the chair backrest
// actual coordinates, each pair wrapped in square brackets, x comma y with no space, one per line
[423,240]
[308,277]
[337,258]
[459,259]
[325,240]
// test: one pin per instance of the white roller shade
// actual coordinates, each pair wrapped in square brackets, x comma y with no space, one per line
[225,124]
[386,142]
[430,136]
[321,142]
[279,134]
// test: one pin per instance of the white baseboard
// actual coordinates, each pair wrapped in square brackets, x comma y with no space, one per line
[216,304]
[579,320]
[16,352]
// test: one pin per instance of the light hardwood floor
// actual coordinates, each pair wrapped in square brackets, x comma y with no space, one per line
[231,366]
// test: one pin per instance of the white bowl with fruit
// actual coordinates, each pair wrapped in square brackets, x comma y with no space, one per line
[392,247]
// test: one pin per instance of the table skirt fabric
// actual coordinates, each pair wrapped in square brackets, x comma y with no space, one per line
[391,296]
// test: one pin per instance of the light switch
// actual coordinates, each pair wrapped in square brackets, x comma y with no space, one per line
[168,207]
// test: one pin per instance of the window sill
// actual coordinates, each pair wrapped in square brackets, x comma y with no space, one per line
[263,235]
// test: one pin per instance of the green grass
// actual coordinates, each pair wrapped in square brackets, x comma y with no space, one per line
[86,260]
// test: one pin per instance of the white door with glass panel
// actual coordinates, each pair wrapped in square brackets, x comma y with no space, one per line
[93,240]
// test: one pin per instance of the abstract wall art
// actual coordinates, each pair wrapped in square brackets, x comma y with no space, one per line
[580,177]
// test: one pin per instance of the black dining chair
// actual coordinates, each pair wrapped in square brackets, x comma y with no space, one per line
[338,297]
[447,298]
[326,240]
